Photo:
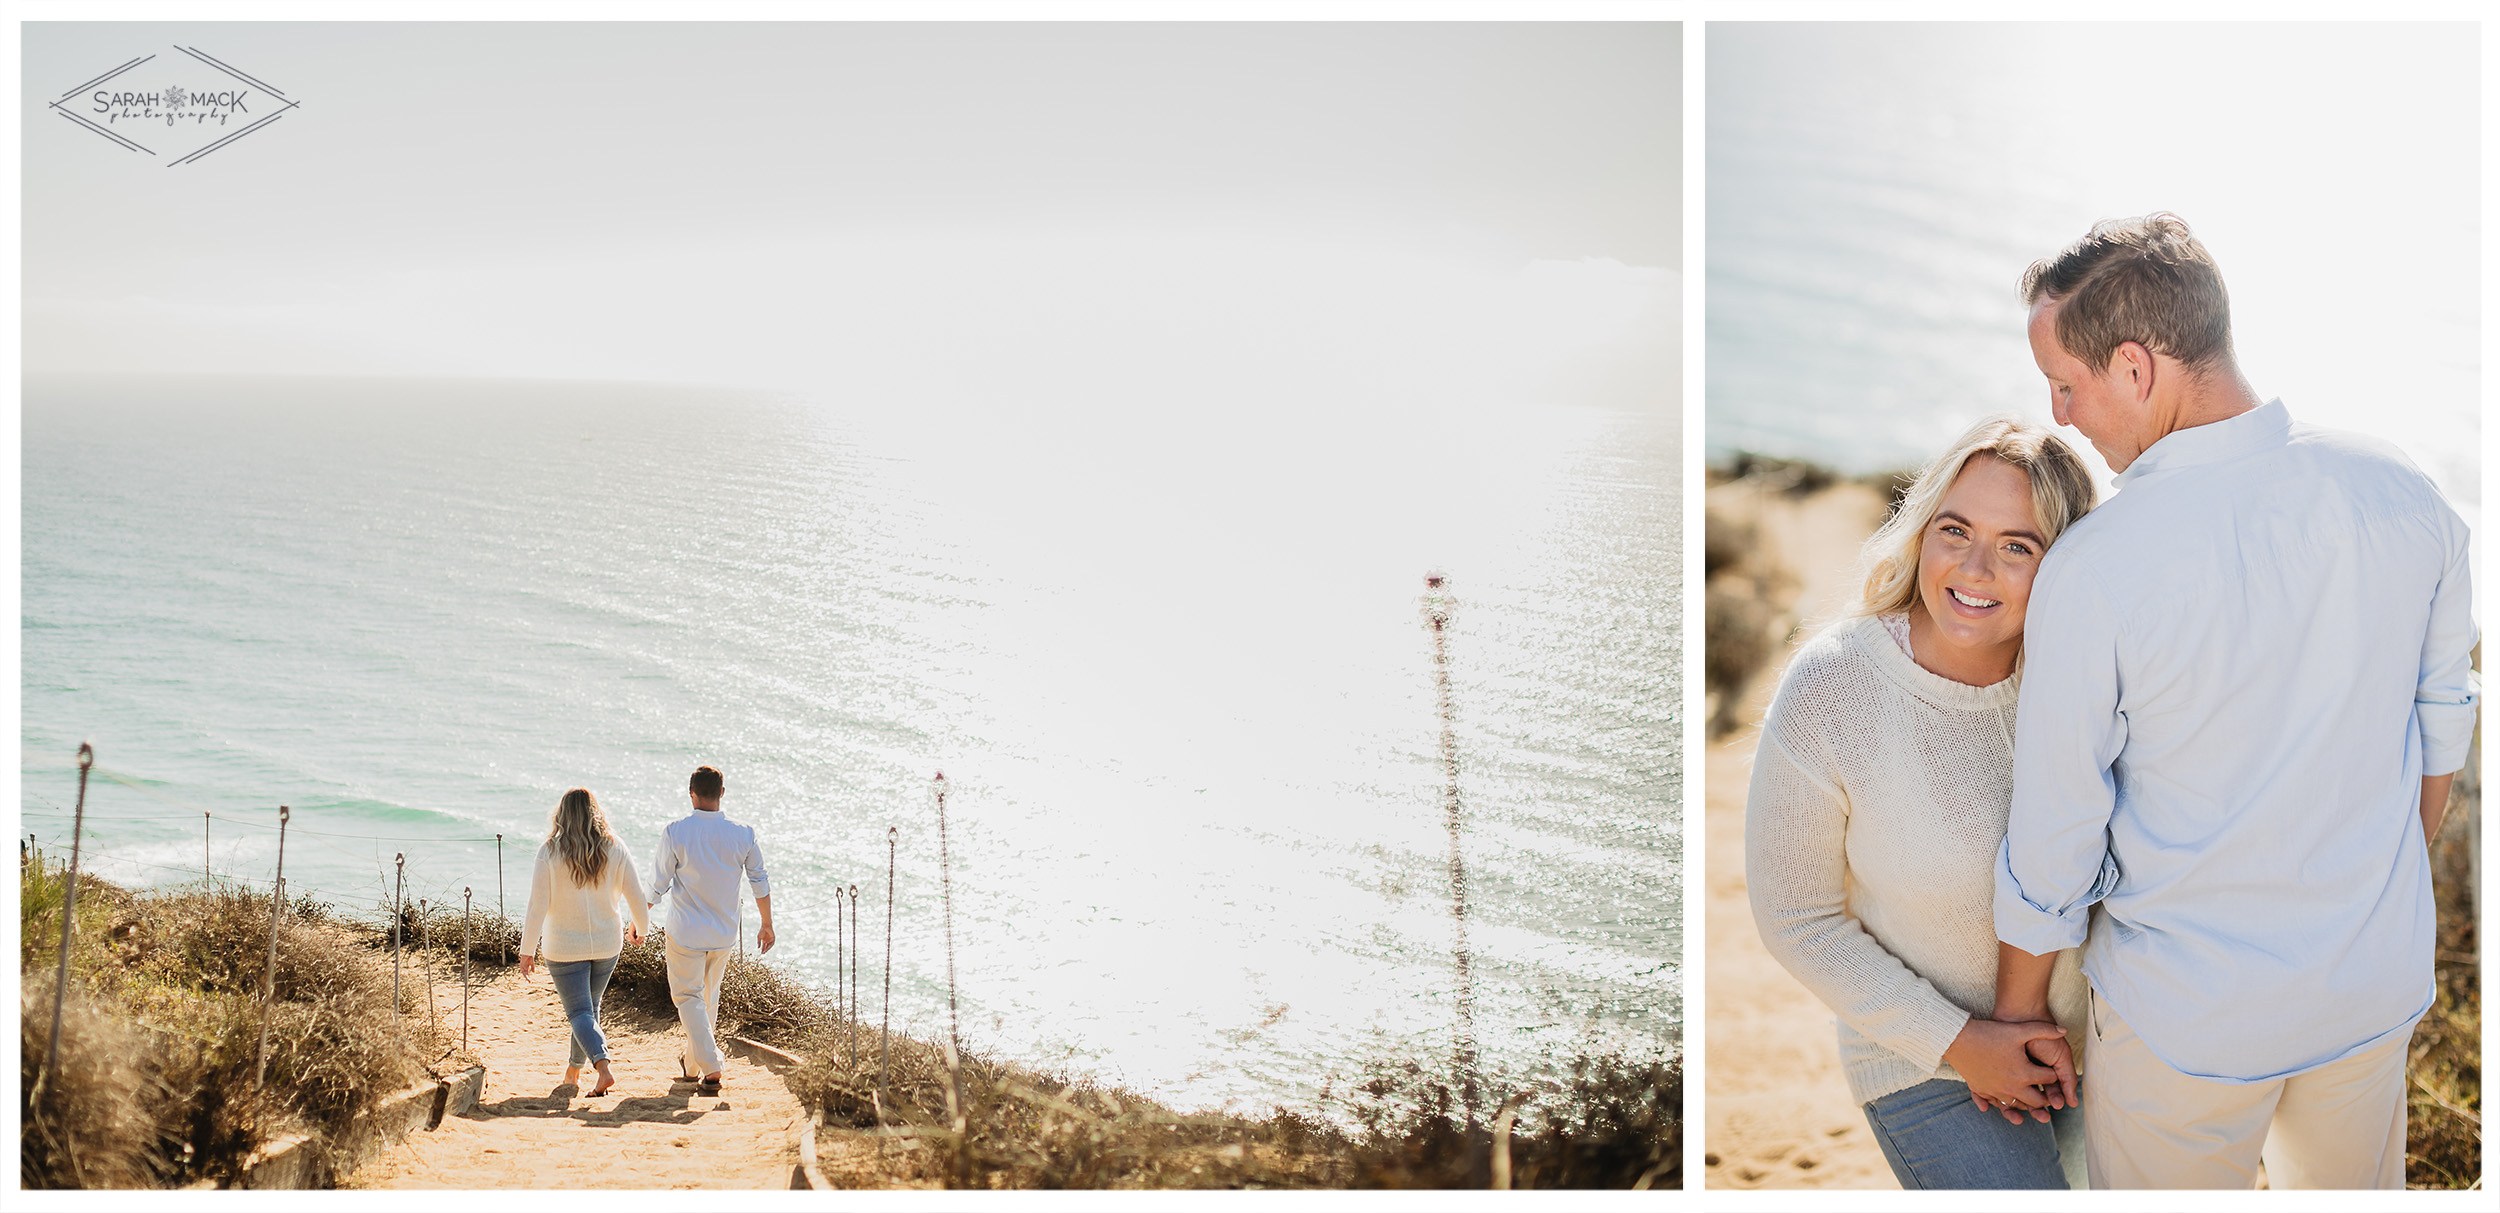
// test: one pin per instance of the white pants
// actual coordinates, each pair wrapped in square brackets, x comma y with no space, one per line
[2146,1125]
[694,983]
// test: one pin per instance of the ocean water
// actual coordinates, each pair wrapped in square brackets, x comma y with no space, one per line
[1876,191]
[1176,676]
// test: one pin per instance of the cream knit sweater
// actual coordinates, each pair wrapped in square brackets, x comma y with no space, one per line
[568,921]
[1879,798]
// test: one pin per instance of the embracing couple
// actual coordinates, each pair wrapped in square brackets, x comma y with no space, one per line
[583,890]
[2104,830]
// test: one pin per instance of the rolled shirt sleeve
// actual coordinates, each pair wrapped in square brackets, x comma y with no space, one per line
[757,882]
[2448,693]
[2056,862]
[663,870]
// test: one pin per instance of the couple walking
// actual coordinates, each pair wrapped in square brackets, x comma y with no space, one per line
[2150,784]
[584,877]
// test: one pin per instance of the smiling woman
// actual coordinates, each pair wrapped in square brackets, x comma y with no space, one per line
[2197,737]
[1879,798]
[1955,561]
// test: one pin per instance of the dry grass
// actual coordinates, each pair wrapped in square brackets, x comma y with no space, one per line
[1795,477]
[155,1084]
[436,929]
[1614,1124]
[1744,611]
[2444,1131]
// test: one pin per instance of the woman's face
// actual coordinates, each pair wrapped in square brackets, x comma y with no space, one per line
[1976,561]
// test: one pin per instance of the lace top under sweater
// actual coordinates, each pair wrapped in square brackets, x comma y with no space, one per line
[1879,798]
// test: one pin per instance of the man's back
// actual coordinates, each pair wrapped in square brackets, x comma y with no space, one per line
[701,857]
[2237,673]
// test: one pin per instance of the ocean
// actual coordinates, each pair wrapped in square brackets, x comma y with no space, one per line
[1876,191]
[1175,673]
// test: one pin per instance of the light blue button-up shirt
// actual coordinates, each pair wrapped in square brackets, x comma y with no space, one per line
[2235,676]
[701,857]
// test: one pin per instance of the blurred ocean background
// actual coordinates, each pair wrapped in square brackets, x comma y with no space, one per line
[1175,673]
[1875,192]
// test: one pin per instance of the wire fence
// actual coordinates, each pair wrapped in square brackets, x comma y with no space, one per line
[394,887]
[402,900]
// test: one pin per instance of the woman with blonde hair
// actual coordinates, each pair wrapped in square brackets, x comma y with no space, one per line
[582,875]
[1880,793]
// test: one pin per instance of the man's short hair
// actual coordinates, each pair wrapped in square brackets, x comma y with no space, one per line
[706,783]
[2145,280]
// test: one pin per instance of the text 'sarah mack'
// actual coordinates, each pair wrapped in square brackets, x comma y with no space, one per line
[175,103]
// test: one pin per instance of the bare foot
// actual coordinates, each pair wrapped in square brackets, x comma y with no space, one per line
[572,1076]
[607,1078]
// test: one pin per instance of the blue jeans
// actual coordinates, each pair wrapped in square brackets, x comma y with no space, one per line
[582,984]
[1934,1137]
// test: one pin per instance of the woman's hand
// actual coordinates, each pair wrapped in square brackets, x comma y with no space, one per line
[633,938]
[1995,1059]
[528,963]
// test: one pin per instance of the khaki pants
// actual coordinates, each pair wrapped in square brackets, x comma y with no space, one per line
[2146,1125]
[694,983]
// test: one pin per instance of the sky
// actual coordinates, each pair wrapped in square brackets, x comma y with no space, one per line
[887,209]
[1876,190]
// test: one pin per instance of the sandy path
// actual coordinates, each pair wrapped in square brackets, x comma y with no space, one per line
[650,1132]
[1778,1111]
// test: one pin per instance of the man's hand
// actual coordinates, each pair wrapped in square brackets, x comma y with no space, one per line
[2058,1053]
[764,938]
[1994,1059]
[528,963]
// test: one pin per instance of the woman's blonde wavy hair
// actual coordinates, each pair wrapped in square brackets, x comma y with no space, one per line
[2061,492]
[580,835]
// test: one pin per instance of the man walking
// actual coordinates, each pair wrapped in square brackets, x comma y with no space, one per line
[701,857]
[2246,687]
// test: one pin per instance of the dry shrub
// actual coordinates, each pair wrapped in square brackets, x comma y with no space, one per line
[756,999]
[1738,640]
[43,879]
[641,977]
[2443,1124]
[1613,1123]
[172,989]
[1616,1122]
[89,1125]
[1727,544]
[1795,477]
[1028,1130]
[493,939]
[759,1001]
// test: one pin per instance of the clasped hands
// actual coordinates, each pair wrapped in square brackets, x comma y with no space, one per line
[2016,1068]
